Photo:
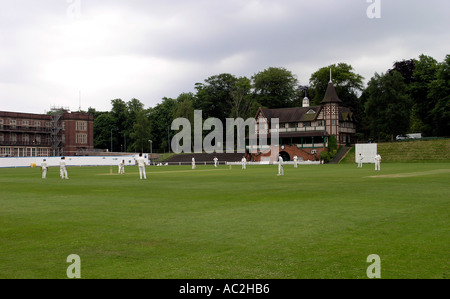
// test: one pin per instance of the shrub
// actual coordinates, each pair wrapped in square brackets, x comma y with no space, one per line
[325,156]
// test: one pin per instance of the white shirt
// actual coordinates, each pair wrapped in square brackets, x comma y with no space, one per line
[44,165]
[62,164]
[141,162]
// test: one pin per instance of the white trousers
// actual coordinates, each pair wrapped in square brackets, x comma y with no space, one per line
[142,172]
[63,173]
[377,166]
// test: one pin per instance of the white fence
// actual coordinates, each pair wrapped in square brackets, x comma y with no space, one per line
[276,163]
[13,162]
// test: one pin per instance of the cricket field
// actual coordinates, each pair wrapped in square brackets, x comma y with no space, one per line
[316,221]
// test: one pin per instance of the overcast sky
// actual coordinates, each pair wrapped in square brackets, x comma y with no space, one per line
[56,52]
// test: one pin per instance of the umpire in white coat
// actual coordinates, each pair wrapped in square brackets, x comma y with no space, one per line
[377,162]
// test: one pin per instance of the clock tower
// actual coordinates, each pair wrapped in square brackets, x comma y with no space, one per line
[330,104]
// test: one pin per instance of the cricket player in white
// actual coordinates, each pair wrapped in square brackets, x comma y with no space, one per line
[295,161]
[215,161]
[193,163]
[377,162]
[141,165]
[280,166]
[44,168]
[122,167]
[360,160]
[244,163]
[63,168]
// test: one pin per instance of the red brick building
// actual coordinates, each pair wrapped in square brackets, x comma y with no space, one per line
[304,131]
[59,133]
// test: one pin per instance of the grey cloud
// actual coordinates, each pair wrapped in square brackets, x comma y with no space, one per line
[199,38]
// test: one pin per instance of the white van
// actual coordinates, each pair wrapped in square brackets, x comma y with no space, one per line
[414,135]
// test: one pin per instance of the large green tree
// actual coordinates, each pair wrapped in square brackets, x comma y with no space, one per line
[103,126]
[133,108]
[406,69]
[440,93]
[348,85]
[425,72]
[141,133]
[161,117]
[275,87]
[214,96]
[387,106]
[241,99]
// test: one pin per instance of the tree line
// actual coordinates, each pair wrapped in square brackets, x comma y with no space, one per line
[413,96]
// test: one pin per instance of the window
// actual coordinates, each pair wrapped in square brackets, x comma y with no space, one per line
[26,138]
[42,152]
[37,123]
[5,152]
[2,137]
[81,138]
[13,123]
[13,137]
[81,125]
[307,124]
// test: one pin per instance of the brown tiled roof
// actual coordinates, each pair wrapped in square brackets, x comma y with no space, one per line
[331,95]
[345,114]
[295,114]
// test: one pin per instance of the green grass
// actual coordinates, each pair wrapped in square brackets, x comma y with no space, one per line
[315,222]
[411,151]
